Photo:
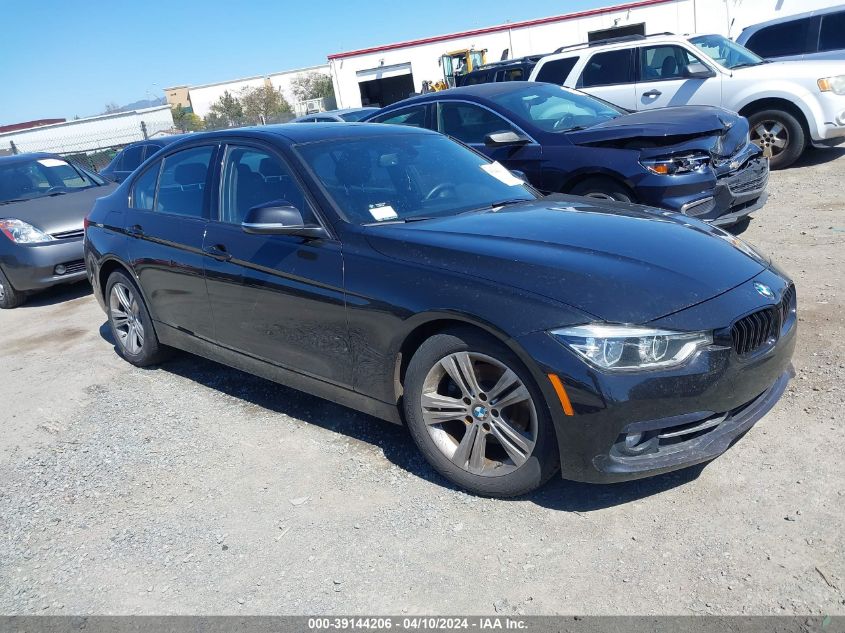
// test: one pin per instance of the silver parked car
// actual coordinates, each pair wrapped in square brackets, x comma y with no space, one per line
[334,116]
[816,34]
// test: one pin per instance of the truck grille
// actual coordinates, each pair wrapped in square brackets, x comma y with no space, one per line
[752,332]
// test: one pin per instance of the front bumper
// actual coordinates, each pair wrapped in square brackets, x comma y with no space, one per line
[33,267]
[687,416]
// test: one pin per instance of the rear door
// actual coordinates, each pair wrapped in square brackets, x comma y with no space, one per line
[274,297]
[610,75]
[471,122]
[166,223]
[662,81]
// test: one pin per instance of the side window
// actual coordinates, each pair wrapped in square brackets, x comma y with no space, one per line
[778,40]
[182,185]
[832,33]
[149,150]
[252,177]
[144,189]
[413,116]
[512,74]
[132,158]
[658,63]
[468,122]
[557,70]
[608,69]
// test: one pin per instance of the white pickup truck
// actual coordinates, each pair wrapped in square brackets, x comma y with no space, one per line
[789,104]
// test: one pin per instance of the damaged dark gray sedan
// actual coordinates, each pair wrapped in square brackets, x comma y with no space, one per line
[697,160]
[43,202]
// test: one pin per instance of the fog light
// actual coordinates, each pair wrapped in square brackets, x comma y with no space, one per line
[632,439]
[60,269]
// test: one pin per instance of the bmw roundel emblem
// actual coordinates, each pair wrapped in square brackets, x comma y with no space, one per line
[764,290]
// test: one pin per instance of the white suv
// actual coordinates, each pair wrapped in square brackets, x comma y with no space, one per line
[789,104]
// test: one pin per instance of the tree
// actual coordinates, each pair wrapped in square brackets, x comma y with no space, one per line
[263,105]
[111,107]
[312,86]
[227,111]
[185,120]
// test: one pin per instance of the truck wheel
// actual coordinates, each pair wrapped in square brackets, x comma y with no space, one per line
[9,297]
[779,134]
[603,189]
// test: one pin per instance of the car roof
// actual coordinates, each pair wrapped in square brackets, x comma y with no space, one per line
[478,91]
[296,133]
[613,43]
[25,158]
[753,28]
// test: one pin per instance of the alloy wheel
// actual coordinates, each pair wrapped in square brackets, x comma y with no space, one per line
[479,414]
[2,291]
[771,136]
[126,319]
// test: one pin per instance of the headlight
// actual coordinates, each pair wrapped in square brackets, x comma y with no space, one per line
[22,233]
[624,347]
[836,85]
[670,165]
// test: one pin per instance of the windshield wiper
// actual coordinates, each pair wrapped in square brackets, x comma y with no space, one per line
[57,193]
[14,200]
[747,64]
[416,218]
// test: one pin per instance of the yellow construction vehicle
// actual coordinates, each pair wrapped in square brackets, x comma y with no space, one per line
[456,63]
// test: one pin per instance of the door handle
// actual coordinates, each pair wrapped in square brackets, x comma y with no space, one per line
[652,93]
[218,252]
[135,230]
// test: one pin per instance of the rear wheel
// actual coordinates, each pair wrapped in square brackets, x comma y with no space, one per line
[476,415]
[603,189]
[779,134]
[9,297]
[130,322]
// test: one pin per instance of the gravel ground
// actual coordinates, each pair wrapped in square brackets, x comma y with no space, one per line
[196,489]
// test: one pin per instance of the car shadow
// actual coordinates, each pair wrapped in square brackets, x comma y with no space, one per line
[818,156]
[57,294]
[740,227]
[393,440]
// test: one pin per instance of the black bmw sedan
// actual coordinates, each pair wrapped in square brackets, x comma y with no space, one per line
[397,272]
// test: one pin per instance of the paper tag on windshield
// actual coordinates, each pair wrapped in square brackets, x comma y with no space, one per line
[383,212]
[51,162]
[502,173]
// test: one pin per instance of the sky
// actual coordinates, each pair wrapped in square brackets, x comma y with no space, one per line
[66,59]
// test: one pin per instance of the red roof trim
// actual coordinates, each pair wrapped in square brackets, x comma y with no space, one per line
[500,27]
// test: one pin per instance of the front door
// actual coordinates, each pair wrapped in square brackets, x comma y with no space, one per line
[470,123]
[278,298]
[166,223]
[662,81]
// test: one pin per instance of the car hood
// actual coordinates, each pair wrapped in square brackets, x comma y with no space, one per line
[57,214]
[660,122]
[807,71]
[617,262]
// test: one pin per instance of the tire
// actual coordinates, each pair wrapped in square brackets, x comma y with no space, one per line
[602,188]
[461,438]
[9,297]
[130,322]
[771,128]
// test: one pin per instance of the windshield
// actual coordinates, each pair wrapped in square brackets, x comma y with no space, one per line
[555,109]
[399,177]
[41,177]
[357,115]
[725,52]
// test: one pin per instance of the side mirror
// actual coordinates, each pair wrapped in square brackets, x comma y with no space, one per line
[279,218]
[697,70]
[505,137]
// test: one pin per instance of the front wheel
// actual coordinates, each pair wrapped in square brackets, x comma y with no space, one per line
[130,322]
[603,189]
[476,415]
[779,135]
[9,297]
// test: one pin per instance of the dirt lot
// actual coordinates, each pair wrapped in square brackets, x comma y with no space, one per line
[193,488]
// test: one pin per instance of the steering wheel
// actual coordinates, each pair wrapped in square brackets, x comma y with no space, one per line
[438,190]
[565,122]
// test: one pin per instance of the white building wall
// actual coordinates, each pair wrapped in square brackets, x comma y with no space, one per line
[203,97]
[727,17]
[91,133]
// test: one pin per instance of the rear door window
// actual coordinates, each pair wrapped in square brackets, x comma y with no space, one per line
[468,122]
[182,186]
[556,71]
[832,33]
[779,40]
[413,116]
[609,68]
